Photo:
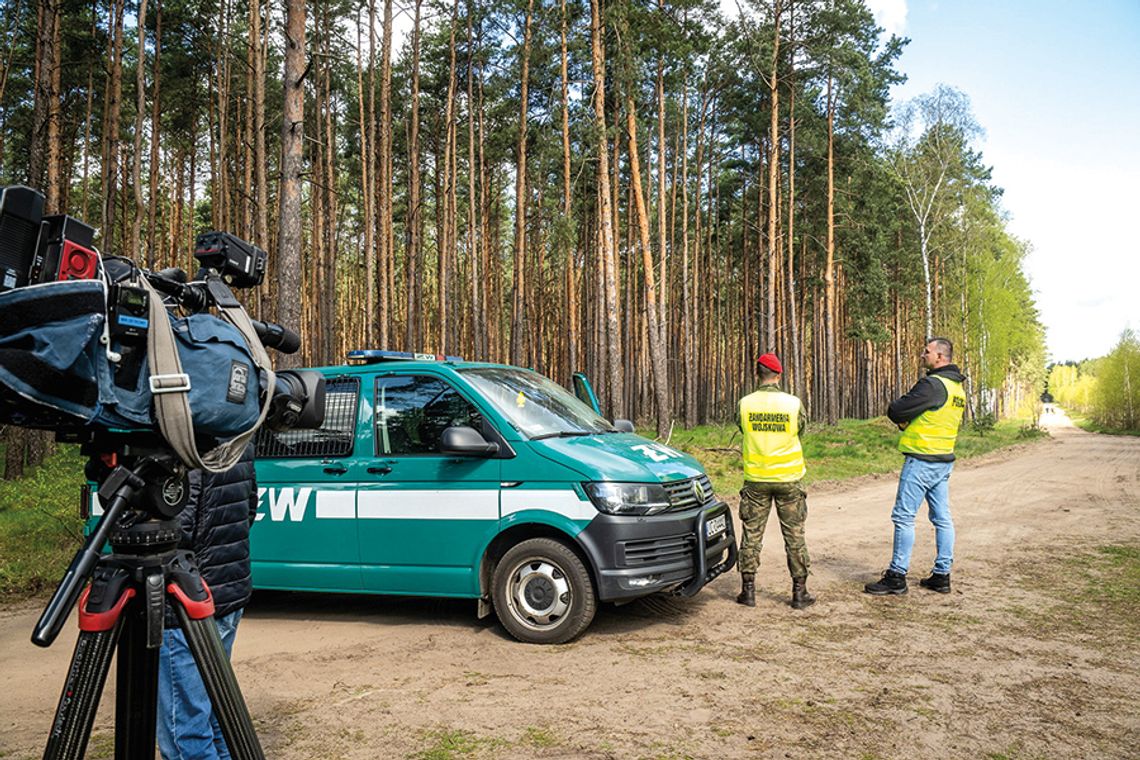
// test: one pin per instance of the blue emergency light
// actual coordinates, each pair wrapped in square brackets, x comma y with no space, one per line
[372,356]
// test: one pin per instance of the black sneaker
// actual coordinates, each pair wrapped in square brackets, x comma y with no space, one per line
[939,582]
[890,583]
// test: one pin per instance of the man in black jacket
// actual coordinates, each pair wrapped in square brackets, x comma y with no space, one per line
[215,526]
[929,416]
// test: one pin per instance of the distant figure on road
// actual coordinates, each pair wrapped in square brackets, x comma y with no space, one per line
[772,422]
[929,416]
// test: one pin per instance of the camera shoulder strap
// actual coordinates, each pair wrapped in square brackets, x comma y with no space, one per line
[171,386]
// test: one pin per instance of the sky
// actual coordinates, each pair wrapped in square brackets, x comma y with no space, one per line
[1056,87]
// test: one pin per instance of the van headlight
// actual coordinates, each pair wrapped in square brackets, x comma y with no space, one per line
[628,498]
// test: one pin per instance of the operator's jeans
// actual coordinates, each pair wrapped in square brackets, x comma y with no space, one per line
[930,481]
[187,728]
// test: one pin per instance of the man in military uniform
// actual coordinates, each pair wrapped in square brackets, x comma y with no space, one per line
[929,416]
[772,422]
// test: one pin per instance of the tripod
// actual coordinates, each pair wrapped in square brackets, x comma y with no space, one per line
[123,608]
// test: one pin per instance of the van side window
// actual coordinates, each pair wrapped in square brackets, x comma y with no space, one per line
[412,411]
[335,436]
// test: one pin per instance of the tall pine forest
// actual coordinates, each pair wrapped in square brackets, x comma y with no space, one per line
[647,191]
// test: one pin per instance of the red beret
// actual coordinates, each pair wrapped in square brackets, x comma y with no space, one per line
[769,361]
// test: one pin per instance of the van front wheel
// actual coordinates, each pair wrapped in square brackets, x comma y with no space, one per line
[542,592]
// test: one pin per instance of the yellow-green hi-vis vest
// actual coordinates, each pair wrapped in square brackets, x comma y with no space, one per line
[935,430]
[770,422]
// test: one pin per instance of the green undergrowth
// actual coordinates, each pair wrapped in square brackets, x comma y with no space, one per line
[847,449]
[40,529]
[1091,425]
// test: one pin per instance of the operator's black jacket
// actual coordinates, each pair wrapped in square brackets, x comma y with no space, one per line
[215,526]
[926,394]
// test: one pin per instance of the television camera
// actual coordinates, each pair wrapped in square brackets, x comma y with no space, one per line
[132,365]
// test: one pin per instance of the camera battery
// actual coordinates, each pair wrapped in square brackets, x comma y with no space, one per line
[21,209]
[64,252]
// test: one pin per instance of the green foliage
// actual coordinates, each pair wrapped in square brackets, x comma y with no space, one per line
[1116,399]
[40,527]
[1107,389]
[983,423]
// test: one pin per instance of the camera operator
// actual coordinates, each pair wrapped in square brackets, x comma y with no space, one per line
[215,526]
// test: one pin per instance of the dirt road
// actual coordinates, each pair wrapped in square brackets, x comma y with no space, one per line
[1036,653]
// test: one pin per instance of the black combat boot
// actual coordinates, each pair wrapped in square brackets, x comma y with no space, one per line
[800,596]
[890,583]
[747,595]
[939,582]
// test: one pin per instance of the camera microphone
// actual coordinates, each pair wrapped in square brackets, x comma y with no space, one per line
[277,336]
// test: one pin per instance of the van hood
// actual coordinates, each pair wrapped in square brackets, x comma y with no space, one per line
[619,457]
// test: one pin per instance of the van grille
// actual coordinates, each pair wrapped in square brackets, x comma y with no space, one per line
[657,550]
[682,495]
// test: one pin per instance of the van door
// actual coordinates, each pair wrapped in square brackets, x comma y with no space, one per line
[424,517]
[305,536]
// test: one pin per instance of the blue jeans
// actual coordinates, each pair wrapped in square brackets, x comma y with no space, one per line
[187,728]
[930,481]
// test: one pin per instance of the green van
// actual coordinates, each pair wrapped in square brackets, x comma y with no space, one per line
[432,476]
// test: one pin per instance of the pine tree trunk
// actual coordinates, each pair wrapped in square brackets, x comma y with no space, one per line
[569,253]
[605,214]
[413,328]
[773,181]
[140,116]
[367,162]
[289,264]
[15,448]
[155,113]
[831,360]
[445,241]
[518,304]
[657,358]
[688,364]
[383,197]
[260,157]
[111,109]
[478,313]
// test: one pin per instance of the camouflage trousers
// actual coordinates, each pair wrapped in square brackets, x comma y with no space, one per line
[791,508]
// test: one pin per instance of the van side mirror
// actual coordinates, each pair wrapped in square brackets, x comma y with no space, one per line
[465,441]
[623,426]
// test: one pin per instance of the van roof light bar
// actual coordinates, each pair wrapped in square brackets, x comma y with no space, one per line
[373,356]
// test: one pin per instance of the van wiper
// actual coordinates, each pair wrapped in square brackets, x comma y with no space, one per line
[562,434]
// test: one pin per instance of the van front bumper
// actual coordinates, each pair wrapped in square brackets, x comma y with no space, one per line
[671,552]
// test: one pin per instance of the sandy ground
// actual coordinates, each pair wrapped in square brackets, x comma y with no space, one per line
[1025,659]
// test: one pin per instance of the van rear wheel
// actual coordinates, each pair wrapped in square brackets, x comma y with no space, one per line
[542,592]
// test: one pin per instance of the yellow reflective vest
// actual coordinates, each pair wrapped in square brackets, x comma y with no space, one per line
[770,422]
[935,430]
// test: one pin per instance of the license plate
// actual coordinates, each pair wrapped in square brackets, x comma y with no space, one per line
[715,526]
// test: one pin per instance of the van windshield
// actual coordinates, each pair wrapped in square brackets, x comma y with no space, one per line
[535,405]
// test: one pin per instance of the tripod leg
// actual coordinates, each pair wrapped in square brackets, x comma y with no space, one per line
[136,689]
[229,708]
[101,622]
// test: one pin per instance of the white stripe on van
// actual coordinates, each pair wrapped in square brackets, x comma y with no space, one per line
[336,504]
[563,501]
[434,504]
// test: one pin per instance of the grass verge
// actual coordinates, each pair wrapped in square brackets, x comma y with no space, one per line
[847,449]
[1091,425]
[40,528]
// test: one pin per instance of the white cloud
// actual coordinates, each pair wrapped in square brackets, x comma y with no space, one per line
[889,14]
